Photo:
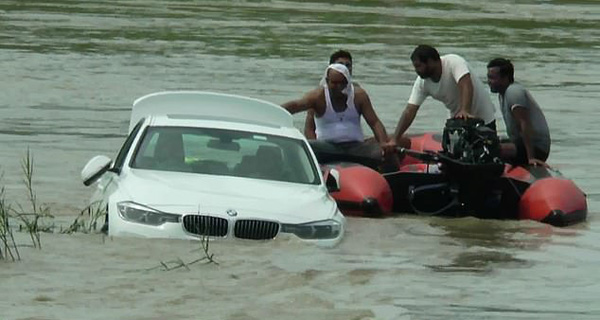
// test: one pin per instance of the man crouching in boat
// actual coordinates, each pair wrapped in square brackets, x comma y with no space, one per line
[337,105]
[526,125]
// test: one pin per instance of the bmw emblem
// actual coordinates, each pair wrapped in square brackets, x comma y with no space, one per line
[231,212]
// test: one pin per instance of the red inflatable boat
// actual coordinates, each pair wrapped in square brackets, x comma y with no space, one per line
[431,180]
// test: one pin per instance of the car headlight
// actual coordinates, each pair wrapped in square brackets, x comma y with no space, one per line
[326,229]
[138,213]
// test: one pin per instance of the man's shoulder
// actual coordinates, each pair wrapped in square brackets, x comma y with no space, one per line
[514,89]
[515,86]
[359,90]
[360,94]
[315,93]
[452,57]
[454,65]
[516,94]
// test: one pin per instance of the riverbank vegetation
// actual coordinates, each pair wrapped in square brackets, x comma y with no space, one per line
[23,218]
[35,218]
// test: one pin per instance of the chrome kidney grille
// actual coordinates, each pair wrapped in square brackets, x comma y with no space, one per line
[203,225]
[255,229]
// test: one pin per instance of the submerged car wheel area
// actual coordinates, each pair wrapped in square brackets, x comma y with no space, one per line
[201,164]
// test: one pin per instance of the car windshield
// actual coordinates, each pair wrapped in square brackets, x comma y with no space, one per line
[225,152]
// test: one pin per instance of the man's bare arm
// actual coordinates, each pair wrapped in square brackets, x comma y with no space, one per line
[366,108]
[406,119]
[303,104]
[465,88]
[309,125]
[523,118]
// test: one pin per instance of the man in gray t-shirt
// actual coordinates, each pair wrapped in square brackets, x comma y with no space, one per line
[525,123]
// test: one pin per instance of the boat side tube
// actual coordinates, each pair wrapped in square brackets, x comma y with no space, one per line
[363,192]
[556,201]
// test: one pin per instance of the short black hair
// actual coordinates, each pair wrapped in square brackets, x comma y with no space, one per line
[505,68]
[424,52]
[340,54]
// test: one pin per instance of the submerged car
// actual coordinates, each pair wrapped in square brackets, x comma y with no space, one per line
[202,164]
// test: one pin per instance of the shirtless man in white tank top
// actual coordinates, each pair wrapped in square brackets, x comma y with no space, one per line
[338,105]
[340,56]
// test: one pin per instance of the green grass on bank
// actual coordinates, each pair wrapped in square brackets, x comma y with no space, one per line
[35,218]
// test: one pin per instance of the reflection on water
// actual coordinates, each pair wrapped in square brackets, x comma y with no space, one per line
[487,245]
[472,232]
[71,71]
[491,244]
[481,262]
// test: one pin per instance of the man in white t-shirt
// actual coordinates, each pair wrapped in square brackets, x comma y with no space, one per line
[448,79]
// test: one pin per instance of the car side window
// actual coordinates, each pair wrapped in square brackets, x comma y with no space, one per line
[119,161]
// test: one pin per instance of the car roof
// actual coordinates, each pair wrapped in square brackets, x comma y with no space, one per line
[210,106]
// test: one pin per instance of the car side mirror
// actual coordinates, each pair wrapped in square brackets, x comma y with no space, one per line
[332,180]
[94,169]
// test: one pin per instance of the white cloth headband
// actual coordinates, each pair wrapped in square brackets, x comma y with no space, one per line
[349,89]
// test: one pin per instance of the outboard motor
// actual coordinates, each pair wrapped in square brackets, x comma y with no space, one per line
[473,163]
[471,168]
[472,150]
[470,141]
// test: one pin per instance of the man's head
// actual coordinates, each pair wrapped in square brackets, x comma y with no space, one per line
[338,78]
[500,75]
[425,60]
[342,56]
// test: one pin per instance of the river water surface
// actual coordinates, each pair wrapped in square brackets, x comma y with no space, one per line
[71,69]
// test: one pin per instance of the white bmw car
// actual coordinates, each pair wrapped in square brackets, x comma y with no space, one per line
[199,164]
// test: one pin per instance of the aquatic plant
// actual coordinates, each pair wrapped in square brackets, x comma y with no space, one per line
[178,263]
[204,244]
[30,219]
[87,219]
[8,247]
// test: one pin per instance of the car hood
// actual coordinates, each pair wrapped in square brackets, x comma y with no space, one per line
[186,193]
